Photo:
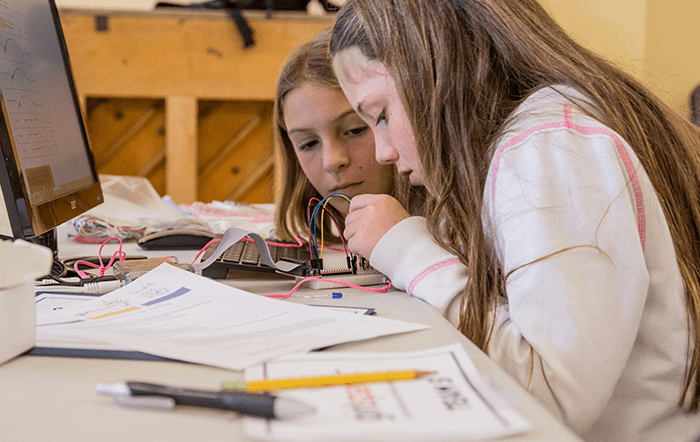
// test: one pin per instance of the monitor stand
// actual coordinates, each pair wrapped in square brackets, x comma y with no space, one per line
[48,239]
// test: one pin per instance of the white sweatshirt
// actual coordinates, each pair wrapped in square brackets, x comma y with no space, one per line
[597,331]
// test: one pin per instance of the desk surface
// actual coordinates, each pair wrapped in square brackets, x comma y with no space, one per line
[45,398]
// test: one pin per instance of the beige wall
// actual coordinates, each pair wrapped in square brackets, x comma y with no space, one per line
[656,40]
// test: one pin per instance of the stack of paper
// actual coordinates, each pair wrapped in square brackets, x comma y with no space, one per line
[452,404]
[176,314]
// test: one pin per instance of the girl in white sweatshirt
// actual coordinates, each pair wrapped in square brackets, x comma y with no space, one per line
[562,227]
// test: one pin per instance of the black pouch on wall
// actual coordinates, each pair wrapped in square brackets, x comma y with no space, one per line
[233,8]
[695,106]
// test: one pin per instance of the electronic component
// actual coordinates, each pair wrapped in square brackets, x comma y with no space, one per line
[362,277]
[244,255]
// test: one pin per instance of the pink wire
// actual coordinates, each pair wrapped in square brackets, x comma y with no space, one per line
[299,243]
[336,249]
[347,284]
[204,248]
[101,268]
[85,239]
[345,248]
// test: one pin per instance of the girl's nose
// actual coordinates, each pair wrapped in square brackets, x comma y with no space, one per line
[335,156]
[384,151]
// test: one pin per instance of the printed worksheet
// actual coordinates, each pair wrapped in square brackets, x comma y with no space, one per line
[176,314]
[451,404]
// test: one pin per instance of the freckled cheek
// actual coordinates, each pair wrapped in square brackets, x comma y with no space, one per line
[313,169]
[367,165]
[362,154]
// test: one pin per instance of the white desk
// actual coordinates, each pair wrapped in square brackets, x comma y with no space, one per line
[44,398]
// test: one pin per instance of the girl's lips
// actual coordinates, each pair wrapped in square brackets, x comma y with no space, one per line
[343,188]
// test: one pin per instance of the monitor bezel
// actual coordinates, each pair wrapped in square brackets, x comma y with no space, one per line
[28,222]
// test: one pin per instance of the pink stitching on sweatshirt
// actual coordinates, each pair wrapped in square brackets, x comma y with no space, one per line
[430,270]
[622,151]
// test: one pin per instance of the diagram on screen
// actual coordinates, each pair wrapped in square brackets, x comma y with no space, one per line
[37,103]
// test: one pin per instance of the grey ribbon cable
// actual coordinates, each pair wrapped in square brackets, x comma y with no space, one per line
[232,236]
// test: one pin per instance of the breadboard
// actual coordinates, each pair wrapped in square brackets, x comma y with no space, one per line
[363,279]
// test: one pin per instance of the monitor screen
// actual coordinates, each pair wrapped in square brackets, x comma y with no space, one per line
[49,174]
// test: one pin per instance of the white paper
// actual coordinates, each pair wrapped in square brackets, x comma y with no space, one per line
[452,404]
[176,314]
[49,307]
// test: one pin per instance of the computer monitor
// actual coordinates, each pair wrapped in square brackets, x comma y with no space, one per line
[48,176]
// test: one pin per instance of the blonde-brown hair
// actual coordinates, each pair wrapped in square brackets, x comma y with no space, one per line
[461,68]
[310,63]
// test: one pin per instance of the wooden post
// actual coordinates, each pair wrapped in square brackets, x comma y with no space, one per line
[181,149]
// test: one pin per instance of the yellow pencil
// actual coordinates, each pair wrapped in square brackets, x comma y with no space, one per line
[326,381]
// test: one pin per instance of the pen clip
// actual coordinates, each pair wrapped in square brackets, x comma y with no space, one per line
[151,402]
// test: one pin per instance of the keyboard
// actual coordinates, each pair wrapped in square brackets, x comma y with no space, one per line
[244,255]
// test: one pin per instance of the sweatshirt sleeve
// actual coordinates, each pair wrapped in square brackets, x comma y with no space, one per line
[416,264]
[566,213]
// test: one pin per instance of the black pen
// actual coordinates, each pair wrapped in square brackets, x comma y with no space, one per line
[161,396]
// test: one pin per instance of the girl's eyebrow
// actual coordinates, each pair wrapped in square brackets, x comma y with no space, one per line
[364,114]
[337,118]
[299,129]
[344,114]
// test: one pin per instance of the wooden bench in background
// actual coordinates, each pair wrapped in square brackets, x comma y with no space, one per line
[172,95]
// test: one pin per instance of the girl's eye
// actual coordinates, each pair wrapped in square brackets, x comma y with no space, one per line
[307,146]
[357,130]
[382,118]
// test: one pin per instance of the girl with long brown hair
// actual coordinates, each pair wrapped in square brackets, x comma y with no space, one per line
[323,146]
[563,205]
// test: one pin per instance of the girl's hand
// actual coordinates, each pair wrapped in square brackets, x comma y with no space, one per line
[370,217]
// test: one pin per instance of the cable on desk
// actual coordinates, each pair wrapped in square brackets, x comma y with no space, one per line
[96,285]
[102,267]
[92,229]
[58,269]
[347,284]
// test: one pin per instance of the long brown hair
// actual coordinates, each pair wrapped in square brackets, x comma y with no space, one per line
[461,68]
[310,63]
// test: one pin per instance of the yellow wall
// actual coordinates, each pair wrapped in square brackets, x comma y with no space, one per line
[672,61]
[613,28]
[655,40]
